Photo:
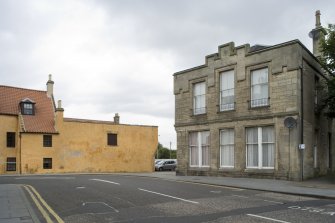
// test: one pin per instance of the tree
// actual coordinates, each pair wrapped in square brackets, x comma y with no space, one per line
[164,153]
[328,62]
[328,49]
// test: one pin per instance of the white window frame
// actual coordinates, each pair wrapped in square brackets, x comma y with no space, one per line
[229,144]
[260,149]
[259,102]
[201,97]
[200,147]
[228,89]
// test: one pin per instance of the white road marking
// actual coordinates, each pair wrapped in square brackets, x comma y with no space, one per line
[106,181]
[165,195]
[101,203]
[239,196]
[80,187]
[216,191]
[271,219]
[276,202]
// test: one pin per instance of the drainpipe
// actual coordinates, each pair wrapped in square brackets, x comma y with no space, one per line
[20,154]
[302,120]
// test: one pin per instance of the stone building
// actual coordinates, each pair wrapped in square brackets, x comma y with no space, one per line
[36,138]
[254,112]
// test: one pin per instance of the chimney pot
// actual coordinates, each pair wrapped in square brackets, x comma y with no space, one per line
[117,118]
[317,18]
[50,86]
[317,34]
[59,104]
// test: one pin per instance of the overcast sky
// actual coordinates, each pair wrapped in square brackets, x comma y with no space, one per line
[118,56]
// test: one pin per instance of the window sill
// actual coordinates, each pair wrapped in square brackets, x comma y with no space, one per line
[202,168]
[256,170]
[226,111]
[199,115]
[227,169]
[259,107]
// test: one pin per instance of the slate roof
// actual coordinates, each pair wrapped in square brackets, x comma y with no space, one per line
[42,121]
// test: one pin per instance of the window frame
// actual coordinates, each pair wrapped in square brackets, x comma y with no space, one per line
[253,86]
[11,164]
[112,141]
[227,145]
[11,139]
[230,106]
[47,140]
[47,163]
[27,111]
[260,144]
[200,97]
[200,148]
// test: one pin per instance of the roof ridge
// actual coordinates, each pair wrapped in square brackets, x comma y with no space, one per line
[22,88]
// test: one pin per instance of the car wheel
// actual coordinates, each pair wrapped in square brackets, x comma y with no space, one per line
[160,169]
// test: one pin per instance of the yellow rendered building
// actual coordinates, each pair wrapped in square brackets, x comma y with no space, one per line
[35,138]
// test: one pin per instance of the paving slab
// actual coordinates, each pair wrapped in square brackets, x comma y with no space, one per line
[15,207]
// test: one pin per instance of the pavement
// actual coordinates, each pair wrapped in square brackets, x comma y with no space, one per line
[323,187]
[15,207]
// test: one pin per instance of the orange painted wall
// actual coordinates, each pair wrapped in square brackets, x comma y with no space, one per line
[81,147]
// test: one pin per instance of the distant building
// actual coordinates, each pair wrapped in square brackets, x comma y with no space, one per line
[254,112]
[35,138]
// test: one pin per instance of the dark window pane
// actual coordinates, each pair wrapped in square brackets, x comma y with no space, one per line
[11,164]
[27,109]
[10,139]
[112,139]
[47,163]
[47,140]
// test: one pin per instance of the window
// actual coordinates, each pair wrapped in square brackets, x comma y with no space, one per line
[27,109]
[199,149]
[11,164]
[227,148]
[10,139]
[260,147]
[112,139]
[47,163]
[227,97]
[259,88]
[47,140]
[199,98]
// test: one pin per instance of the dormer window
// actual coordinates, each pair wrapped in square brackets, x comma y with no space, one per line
[27,107]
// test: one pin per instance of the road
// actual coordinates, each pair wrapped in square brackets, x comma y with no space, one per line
[122,198]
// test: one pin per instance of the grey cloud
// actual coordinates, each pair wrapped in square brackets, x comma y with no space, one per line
[175,32]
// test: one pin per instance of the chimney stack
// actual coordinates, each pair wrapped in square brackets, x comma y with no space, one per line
[117,118]
[50,86]
[59,106]
[317,34]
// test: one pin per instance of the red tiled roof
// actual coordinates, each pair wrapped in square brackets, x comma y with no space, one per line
[42,121]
